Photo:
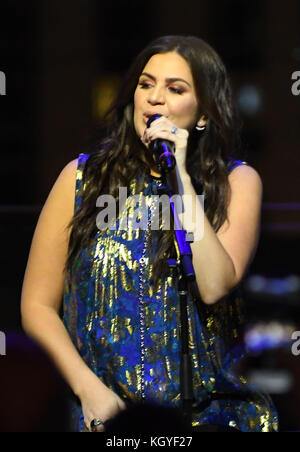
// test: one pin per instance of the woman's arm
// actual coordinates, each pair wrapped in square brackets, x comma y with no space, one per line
[221,259]
[42,297]
[43,282]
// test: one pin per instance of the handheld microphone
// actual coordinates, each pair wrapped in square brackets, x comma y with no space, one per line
[162,149]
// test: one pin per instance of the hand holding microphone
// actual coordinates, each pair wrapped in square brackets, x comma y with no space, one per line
[163,150]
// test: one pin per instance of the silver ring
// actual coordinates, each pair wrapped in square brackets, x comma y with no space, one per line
[174,129]
[95,423]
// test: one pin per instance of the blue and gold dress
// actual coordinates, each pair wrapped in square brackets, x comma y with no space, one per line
[139,356]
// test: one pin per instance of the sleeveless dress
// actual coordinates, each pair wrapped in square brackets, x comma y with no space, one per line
[133,345]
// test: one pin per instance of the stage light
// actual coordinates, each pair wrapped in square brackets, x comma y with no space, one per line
[249,100]
[104,91]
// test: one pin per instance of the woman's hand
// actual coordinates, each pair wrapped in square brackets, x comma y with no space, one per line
[99,402]
[162,128]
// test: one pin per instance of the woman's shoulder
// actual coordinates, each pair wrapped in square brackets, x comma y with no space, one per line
[240,168]
[62,191]
[233,163]
[67,181]
[245,176]
[72,168]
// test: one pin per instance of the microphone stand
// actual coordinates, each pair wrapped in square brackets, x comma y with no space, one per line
[185,274]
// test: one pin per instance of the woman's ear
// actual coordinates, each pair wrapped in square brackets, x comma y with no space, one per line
[202,122]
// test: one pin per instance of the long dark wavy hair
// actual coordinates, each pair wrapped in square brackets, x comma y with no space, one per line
[119,154]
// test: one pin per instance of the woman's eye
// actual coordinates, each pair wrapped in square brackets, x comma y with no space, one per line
[144,85]
[176,90]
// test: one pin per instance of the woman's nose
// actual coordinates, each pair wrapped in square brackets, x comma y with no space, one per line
[156,96]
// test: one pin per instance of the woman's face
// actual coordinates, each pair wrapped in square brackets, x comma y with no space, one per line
[166,87]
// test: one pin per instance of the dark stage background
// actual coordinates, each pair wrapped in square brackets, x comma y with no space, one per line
[62,62]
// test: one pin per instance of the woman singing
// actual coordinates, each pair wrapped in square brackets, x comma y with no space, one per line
[118,342]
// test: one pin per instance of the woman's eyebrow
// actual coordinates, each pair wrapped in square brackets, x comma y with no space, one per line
[169,79]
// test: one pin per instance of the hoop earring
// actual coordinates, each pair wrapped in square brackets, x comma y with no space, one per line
[200,128]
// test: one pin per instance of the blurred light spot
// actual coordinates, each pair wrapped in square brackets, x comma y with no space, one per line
[256,283]
[272,381]
[273,286]
[104,92]
[265,336]
[249,100]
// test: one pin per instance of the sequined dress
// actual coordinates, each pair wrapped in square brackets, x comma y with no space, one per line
[102,313]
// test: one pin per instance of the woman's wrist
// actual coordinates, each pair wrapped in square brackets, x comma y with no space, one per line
[182,173]
[86,381]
